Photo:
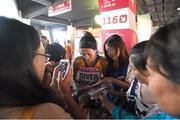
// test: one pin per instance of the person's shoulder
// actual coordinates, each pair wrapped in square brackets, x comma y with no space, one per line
[103,60]
[78,59]
[49,110]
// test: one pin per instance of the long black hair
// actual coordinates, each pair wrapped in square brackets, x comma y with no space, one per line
[164,51]
[138,56]
[56,51]
[88,41]
[116,42]
[19,84]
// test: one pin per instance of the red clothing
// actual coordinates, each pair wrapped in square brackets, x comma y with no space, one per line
[69,51]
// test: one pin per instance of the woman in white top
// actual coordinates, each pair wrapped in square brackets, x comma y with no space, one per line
[138,92]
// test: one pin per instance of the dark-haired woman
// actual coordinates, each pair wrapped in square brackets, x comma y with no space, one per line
[22,94]
[138,92]
[116,71]
[88,68]
[89,63]
[56,52]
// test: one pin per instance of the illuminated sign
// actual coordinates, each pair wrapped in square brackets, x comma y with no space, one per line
[116,19]
[62,7]
[107,5]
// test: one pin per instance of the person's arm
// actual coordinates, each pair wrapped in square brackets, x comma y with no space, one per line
[116,111]
[53,83]
[118,93]
[64,86]
[108,81]
[47,78]
[46,111]
[121,83]
[72,105]
[75,74]
[106,103]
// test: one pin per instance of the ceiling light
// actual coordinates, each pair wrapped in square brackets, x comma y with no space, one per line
[98,19]
[178,8]
[90,29]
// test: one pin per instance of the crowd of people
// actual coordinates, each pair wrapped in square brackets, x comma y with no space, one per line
[142,84]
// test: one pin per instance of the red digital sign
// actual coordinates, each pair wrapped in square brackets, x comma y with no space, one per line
[107,5]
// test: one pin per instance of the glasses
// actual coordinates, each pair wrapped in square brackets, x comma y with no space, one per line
[44,55]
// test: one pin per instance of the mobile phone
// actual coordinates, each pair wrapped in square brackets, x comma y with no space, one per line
[63,67]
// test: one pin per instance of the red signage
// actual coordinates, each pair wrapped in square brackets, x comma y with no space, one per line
[118,17]
[107,5]
[115,19]
[62,7]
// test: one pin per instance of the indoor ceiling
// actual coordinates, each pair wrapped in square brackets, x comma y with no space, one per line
[84,11]
[161,11]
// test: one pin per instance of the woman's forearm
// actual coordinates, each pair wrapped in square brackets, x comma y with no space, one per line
[121,83]
[109,106]
[118,93]
[72,105]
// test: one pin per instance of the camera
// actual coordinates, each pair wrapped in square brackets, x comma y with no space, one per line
[63,67]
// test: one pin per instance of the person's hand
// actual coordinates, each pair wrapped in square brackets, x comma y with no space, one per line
[65,84]
[105,102]
[50,66]
[104,99]
[55,75]
[107,82]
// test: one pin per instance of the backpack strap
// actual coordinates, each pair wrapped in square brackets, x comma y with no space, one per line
[27,113]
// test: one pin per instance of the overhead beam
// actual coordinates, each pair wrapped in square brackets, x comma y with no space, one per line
[158,23]
[34,12]
[159,4]
[52,19]
[43,2]
[149,2]
[165,18]
[84,22]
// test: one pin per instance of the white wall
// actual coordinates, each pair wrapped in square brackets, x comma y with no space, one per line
[154,29]
[8,8]
[70,32]
[144,27]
